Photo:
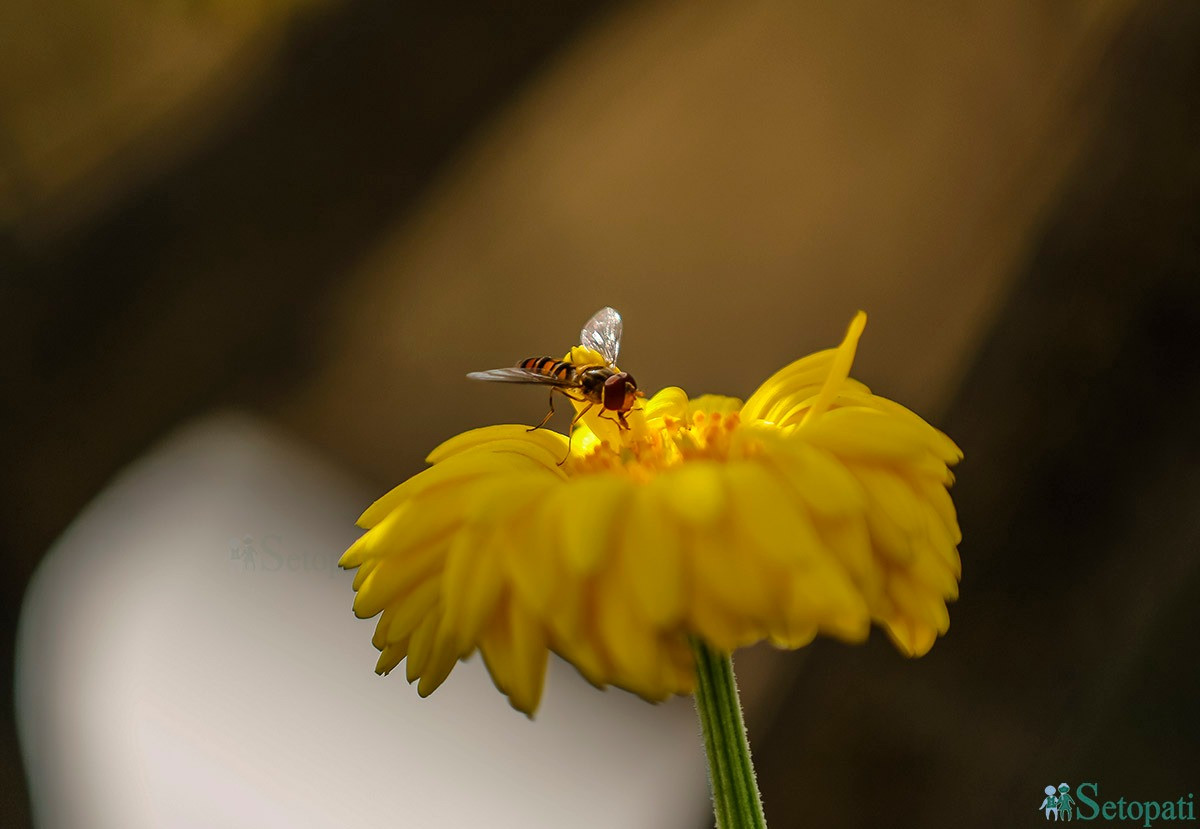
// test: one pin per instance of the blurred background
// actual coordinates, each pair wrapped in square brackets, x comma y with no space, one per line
[321,213]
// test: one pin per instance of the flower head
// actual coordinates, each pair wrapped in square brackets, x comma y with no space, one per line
[813,507]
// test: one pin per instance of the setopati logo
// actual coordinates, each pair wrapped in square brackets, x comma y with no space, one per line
[1085,804]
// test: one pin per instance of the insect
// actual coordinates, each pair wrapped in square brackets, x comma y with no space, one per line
[594,384]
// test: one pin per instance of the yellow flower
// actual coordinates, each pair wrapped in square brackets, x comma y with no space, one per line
[814,507]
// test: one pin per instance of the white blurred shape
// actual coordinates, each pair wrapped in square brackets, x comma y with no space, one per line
[187,657]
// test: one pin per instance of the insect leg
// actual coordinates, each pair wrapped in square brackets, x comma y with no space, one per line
[581,413]
[620,420]
[571,429]
[549,414]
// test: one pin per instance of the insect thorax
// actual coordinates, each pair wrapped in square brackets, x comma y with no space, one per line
[591,381]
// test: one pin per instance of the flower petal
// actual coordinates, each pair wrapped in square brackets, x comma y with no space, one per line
[801,378]
[395,577]
[412,610]
[514,650]
[669,402]
[471,586]
[628,643]
[441,662]
[420,647]
[714,403]
[651,561]
[552,445]
[694,492]
[839,369]
[590,524]
[494,459]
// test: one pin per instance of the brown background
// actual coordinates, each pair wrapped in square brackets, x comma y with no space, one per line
[328,212]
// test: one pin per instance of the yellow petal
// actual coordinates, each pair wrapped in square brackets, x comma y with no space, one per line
[829,603]
[379,640]
[584,653]
[850,543]
[518,456]
[733,576]
[514,650]
[820,482]
[628,642]
[589,523]
[887,538]
[651,561]
[541,443]
[789,636]
[420,647]
[694,492]
[669,402]
[863,433]
[839,369]
[930,569]
[503,500]
[935,441]
[943,543]
[394,577]
[722,629]
[533,563]
[369,543]
[909,636]
[804,376]
[529,660]
[786,400]
[390,657]
[412,610]
[892,496]
[364,570]
[471,586]
[767,516]
[917,604]
[441,662]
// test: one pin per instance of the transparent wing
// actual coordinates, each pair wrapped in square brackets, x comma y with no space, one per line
[517,375]
[603,333]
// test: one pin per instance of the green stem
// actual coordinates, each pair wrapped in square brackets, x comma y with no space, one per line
[736,801]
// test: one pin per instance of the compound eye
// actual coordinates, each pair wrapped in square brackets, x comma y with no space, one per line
[614,392]
[629,379]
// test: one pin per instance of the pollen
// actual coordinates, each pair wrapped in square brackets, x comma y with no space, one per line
[648,453]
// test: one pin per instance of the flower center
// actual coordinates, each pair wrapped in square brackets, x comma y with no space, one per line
[662,444]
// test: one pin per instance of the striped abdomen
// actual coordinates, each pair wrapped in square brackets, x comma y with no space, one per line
[550,367]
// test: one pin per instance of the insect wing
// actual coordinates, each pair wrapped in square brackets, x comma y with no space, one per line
[603,333]
[517,375]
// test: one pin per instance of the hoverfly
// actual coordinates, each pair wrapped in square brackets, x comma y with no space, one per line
[594,384]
